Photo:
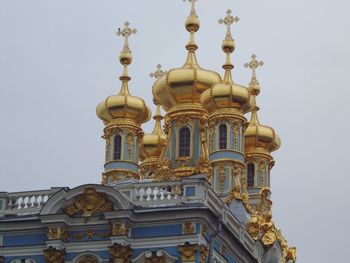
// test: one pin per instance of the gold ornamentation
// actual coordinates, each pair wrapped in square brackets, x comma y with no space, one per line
[253,65]
[188,228]
[120,253]
[89,203]
[222,177]
[130,142]
[86,235]
[204,229]
[188,252]
[262,173]
[55,233]
[291,254]
[158,73]
[253,226]
[53,255]
[234,194]
[203,253]
[203,167]
[120,229]
[164,172]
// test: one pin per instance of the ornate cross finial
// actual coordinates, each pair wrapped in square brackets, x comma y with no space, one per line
[158,73]
[228,21]
[126,33]
[193,5]
[253,65]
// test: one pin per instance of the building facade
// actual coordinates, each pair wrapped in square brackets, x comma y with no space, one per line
[196,189]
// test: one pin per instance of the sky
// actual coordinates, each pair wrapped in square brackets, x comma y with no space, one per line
[59,59]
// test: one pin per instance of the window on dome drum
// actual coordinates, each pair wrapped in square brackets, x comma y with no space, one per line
[250,178]
[184,142]
[222,136]
[117,154]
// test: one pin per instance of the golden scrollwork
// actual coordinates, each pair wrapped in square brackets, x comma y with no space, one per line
[86,235]
[120,229]
[89,203]
[120,253]
[164,171]
[53,255]
[188,228]
[203,167]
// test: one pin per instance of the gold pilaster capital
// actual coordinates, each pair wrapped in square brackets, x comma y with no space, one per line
[53,255]
[120,253]
[188,252]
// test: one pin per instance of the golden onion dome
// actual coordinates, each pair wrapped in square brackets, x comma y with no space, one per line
[152,144]
[124,105]
[226,94]
[185,85]
[258,137]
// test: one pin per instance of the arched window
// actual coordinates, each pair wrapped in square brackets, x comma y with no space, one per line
[250,179]
[117,154]
[184,142]
[222,136]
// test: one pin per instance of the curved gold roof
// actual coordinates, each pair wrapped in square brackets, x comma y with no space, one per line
[258,137]
[124,105]
[226,94]
[152,144]
[186,84]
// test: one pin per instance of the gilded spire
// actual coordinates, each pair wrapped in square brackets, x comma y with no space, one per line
[125,56]
[192,25]
[228,45]
[254,86]
[158,73]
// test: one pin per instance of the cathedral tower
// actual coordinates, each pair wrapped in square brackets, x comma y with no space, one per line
[225,104]
[122,115]
[178,92]
[260,141]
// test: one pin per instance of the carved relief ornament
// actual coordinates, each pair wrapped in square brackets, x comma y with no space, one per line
[120,253]
[89,203]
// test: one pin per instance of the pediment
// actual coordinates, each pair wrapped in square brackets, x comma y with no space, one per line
[85,201]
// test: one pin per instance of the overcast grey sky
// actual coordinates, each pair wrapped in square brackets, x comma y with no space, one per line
[58,60]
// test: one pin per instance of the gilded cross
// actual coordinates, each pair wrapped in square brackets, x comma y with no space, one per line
[193,5]
[126,33]
[253,65]
[228,21]
[158,73]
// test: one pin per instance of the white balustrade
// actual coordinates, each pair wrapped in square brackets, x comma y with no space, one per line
[21,203]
